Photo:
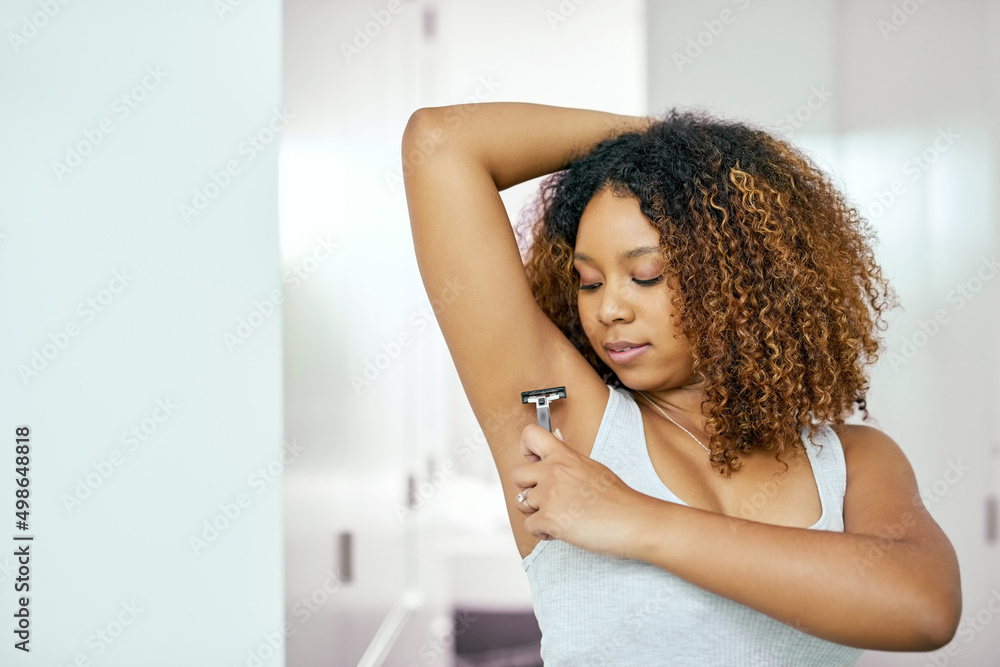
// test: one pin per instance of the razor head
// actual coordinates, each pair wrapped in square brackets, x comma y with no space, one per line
[543,395]
[541,398]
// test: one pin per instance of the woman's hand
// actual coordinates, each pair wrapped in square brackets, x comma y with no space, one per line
[572,497]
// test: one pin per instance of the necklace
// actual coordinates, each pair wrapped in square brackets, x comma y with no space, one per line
[672,421]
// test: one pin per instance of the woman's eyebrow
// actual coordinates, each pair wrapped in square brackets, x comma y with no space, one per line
[622,256]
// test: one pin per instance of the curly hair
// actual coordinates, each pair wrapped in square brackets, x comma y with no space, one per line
[778,290]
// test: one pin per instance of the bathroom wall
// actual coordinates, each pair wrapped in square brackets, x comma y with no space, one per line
[370,380]
[898,100]
[140,345]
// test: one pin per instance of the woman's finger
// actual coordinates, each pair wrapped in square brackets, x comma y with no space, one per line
[524,505]
[525,475]
[526,451]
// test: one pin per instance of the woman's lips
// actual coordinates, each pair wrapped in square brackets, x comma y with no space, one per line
[626,356]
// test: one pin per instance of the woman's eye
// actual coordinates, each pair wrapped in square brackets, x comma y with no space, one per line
[644,283]
[647,283]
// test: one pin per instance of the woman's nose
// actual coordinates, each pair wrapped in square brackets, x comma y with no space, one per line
[614,306]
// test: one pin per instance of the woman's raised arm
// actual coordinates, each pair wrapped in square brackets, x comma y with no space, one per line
[455,162]
[512,141]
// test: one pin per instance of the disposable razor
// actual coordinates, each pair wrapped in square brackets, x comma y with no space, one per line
[541,398]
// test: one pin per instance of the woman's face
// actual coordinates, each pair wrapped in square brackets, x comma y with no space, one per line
[624,298]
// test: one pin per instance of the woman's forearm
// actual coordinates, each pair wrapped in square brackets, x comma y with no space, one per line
[513,141]
[827,584]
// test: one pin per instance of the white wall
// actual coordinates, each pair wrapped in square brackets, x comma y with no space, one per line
[340,175]
[875,101]
[891,94]
[158,336]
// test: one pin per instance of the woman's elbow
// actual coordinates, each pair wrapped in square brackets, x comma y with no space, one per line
[424,135]
[417,127]
[939,620]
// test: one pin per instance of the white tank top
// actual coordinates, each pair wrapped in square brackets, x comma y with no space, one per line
[599,610]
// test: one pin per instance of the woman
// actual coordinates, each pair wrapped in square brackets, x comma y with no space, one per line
[709,302]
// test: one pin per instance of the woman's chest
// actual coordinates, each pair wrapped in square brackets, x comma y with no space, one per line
[762,490]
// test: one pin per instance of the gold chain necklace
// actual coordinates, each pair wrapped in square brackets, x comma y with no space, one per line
[672,421]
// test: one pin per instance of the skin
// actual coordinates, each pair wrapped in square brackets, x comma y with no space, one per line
[629,299]
[580,501]
[616,302]
[890,581]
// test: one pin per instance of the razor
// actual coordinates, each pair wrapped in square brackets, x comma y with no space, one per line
[541,398]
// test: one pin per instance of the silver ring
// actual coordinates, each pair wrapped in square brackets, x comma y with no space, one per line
[523,497]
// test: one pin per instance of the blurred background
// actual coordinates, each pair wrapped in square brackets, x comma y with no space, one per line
[899,101]
[249,446]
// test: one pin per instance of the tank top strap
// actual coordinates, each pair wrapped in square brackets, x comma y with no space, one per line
[619,425]
[826,456]
[621,445]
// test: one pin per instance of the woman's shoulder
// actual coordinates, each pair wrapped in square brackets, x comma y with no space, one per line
[854,434]
[866,445]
